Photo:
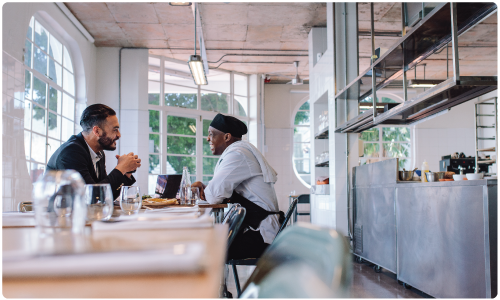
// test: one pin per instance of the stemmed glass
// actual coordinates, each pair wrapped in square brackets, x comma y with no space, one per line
[130,199]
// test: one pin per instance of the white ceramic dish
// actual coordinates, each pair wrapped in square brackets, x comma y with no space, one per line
[458,177]
[474,176]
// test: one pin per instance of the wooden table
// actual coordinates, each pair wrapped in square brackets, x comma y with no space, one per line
[197,285]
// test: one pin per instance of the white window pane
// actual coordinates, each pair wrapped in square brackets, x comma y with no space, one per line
[68,109]
[27,114]
[154,74]
[36,171]
[241,106]
[301,135]
[52,147]
[301,150]
[68,82]
[180,74]
[41,36]
[153,61]
[27,84]
[216,102]
[29,33]
[302,166]
[218,81]
[55,100]
[55,72]
[28,49]
[181,96]
[67,60]
[38,147]
[152,184]
[68,129]
[39,91]
[154,92]
[240,85]
[39,119]
[54,126]
[55,49]
[27,144]
[40,61]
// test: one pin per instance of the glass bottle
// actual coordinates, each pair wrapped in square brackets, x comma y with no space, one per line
[185,187]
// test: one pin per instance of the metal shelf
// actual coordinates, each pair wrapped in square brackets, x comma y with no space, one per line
[430,35]
[323,134]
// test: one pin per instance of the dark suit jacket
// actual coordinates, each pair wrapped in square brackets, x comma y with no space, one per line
[75,155]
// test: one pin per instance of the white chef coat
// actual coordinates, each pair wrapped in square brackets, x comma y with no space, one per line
[238,170]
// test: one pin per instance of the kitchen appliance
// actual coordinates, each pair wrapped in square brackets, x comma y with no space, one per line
[467,163]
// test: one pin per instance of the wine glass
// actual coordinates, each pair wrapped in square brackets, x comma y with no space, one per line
[130,199]
[99,200]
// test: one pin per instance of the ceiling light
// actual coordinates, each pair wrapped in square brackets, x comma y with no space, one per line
[193,129]
[423,83]
[197,70]
[180,3]
[196,63]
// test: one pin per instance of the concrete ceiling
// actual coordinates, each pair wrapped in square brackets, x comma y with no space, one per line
[260,37]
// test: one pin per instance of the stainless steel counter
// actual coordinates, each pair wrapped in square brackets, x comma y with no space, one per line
[439,237]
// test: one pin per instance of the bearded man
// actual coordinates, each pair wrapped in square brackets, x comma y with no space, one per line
[84,152]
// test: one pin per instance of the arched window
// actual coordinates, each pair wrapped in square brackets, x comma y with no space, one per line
[49,115]
[302,145]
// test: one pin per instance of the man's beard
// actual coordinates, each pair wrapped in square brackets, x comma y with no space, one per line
[106,142]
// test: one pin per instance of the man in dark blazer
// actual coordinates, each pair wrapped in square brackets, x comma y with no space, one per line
[84,152]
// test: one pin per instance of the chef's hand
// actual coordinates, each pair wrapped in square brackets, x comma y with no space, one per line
[128,163]
[202,187]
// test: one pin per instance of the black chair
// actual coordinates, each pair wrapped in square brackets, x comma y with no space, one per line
[233,207]
[303,199]
[234,220]
[253,261]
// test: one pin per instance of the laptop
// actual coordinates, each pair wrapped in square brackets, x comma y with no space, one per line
[167,186]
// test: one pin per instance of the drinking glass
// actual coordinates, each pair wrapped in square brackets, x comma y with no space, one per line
[195,195]
[99,200]
[130,199]
[59,205]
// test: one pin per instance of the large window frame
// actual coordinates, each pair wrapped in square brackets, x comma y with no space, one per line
[404,161]
[61,88]
[197,113]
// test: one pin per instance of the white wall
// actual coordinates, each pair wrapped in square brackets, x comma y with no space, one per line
[280,107]
[449,133]
[15,20]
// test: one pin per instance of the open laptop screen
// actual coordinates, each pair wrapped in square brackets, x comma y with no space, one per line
[167,186]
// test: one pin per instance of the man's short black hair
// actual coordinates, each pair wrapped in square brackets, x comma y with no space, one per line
[95,115]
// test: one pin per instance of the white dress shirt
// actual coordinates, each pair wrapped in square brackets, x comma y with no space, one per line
[239,170]
[95,158]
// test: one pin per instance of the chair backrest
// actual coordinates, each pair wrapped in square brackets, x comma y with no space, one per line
[288,215]
[304,198]
[231,210]
[25,206]
[234,220]
[323,250]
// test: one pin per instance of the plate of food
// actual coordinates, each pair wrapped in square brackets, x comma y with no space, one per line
[159,201]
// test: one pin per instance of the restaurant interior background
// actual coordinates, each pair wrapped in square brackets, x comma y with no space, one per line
[49,54]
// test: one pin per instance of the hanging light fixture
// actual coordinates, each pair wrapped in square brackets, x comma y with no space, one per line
[195,62]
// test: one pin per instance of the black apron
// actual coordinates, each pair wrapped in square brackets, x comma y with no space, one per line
[254,213]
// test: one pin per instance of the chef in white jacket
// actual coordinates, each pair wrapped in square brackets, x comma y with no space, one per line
[242,175]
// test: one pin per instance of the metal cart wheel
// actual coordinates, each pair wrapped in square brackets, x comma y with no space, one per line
[358,259]
[406,286]
[377,269]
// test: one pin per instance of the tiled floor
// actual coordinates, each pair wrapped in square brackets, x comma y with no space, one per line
[366,283]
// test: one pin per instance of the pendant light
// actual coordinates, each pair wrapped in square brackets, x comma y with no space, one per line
[195,62]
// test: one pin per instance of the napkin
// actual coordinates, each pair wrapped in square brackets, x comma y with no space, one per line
[165,222]
[12,219]
[174,258]
[174,209]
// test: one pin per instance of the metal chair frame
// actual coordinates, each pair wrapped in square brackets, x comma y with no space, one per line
[253,261]
[303,199]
